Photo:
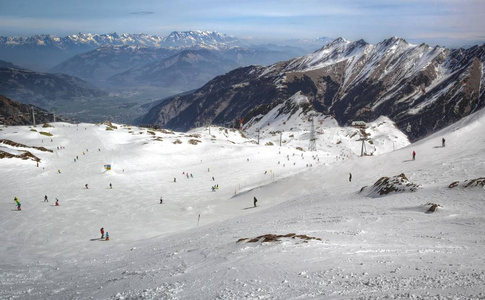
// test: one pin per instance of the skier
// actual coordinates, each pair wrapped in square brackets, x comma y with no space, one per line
[414,155]
[102,232]
[45,199]
[213,179]
[255,200]
[213,188]
[59,171]
[110,186]
[18,206]
[443,142]
[174,179]
[161,200]
[350,177]
[107,236]
[86,185]
[57,202]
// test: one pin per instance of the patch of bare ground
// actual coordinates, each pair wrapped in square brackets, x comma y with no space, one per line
[432,208]
[395,184]
[194,141]
[267,238]
[477,182]
[25,155]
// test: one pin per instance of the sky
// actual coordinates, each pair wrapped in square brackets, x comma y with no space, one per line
[443,22]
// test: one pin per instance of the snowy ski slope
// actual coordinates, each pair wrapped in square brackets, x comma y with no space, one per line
[370,247]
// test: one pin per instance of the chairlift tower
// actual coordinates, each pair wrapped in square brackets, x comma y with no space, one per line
[33,115]
[313,145]
[363,150]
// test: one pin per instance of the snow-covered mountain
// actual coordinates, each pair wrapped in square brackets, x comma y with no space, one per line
[199,37]
[315,233]
[45,51]
[422,88]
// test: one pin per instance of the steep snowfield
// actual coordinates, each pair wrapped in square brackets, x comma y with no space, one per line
[370,247]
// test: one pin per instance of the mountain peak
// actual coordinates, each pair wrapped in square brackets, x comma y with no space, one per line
[394,40]
[195,37]
[339,40]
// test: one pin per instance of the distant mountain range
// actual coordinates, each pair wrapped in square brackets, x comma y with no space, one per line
[420,87]
[42,88]
[186,70]
[96,66]
[42,52]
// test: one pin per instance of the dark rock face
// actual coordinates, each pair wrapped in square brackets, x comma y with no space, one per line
[15,113]
[389,185]
[421,88]
[42,88]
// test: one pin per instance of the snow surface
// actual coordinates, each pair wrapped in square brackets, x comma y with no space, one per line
[385,247]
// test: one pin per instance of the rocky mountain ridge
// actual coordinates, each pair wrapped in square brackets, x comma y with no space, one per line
[42,89]
[15,113]
[420,87]
[50,50]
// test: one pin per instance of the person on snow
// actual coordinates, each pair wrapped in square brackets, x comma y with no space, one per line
[213,188]
[59,171]
[255,201]
[414,155]
[86,185]
[350,177]
[110,186]
[174,179]
[45,199]
[57,202]
[102,232]
[161,200]
[107,236]
[18,206]
[443,142]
